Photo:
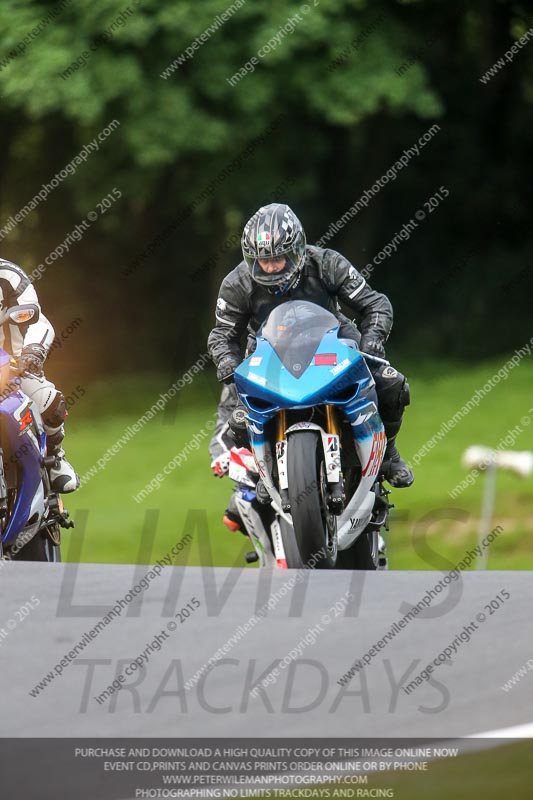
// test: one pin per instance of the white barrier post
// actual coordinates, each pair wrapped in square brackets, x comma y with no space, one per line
[487,510]
[489,461]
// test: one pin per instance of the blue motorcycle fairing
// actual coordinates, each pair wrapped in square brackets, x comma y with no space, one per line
[263,375]
[27,442]
[274,377]
[265,385]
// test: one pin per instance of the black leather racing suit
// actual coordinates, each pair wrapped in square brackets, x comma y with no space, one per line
[327,278]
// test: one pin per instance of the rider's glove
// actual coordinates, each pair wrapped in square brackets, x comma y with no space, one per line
[226,368]
[32,359]
[220,465]
[372,344]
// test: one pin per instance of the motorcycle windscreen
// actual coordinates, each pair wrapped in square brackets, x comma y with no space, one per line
[295,330]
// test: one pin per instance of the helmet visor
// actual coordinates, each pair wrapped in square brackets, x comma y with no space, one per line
[272,278]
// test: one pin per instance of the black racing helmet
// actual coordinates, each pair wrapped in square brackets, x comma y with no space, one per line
[274,231]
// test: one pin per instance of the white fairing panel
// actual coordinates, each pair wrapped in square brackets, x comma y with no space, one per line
[257,533]
[355,517]
[263,459]
[370,450]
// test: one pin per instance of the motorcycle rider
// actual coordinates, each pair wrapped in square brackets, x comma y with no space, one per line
[278,266]
[30,344]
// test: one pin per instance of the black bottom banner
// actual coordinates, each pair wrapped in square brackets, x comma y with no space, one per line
[126,769]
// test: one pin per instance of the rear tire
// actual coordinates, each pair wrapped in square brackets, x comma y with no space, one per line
[315,528]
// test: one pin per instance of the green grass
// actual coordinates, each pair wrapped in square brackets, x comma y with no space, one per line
[190,493]
[436,398]
[491,775]
[504,772]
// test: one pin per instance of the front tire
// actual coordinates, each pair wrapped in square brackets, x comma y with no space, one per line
[363,554]
[40,548]
[290,545]
[315,528]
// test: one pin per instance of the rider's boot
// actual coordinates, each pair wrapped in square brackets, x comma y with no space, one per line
[63,476]
[393,468]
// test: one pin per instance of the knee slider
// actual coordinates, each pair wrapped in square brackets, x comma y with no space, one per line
[405,395]
[393,392]
[55,414]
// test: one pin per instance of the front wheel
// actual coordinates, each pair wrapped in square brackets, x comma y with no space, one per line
[290,545]
[40,548]
[363,554]
[315,528]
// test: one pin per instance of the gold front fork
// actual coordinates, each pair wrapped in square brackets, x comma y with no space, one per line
[281,427]
[331,421]
[281,424]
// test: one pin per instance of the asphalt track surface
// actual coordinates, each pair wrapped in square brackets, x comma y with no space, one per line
[463,698]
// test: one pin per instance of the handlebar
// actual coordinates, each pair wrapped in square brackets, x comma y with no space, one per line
[376,358]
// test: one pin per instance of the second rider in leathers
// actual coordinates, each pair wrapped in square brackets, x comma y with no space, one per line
[279,266]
